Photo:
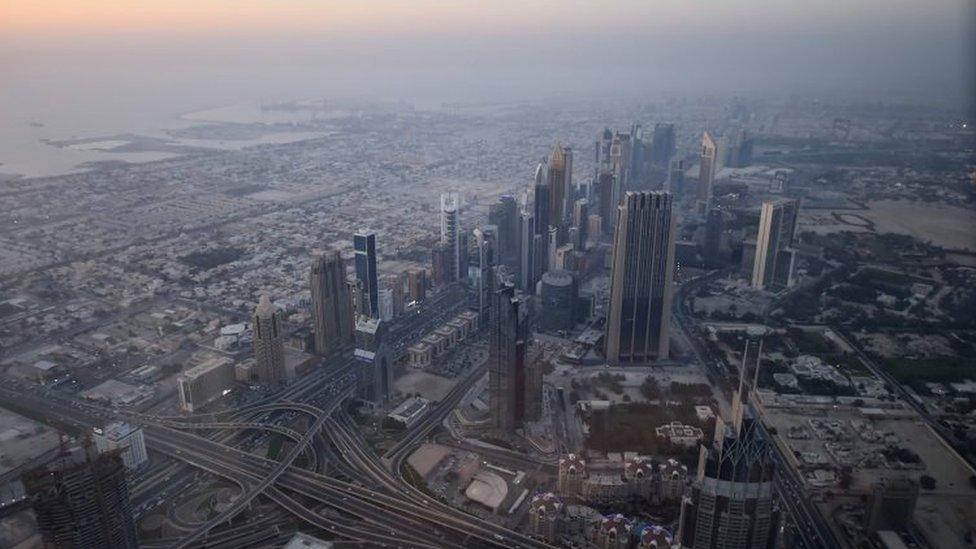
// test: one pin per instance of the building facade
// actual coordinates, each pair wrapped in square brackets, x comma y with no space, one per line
[366,277]
[639,313]
[269,343]
[511,377]
[331,303]
[124,438]
[81,501]
[774,256]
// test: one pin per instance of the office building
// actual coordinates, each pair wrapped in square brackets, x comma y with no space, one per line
[638,321]
[558,296]
[712,251]
[331,303]
[560,184]
[730,505]
[662,145]
[706,171]
[527,238]
[581,214]
[676,175]
[385,300]
[604,141]
[125,439]
[450,237]
[774,254]
[594,227]
[511,378]
[269,343]
[81,501]
[417,284]
[541,211]
[205,382]
[376,372]
[504,215]
[366,277]
[485,242]
[605,192]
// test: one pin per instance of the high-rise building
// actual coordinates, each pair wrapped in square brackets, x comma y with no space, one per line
[553,248]
[124,438]
[526,270]
[204,382]
[581,214]
[269,343]
[560,184]
[605,193]
[376,374]
[504,215]
[510,375]
[365,246]
[676,175]
[485,243]
[740,150]
[331,304]
[594,226]
[706,171]
[638,321]
[558,296]
[417,284]
[81,501]
[730,505]
[604,140]
[712,241]
[545,517]
[450,237]
[663,145]
[774,255]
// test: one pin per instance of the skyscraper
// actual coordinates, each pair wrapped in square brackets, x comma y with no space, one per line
[774,255]
[541,206]
[663,145]
[560,184]
[581,218]
[712,241]
[510,376]
[605,191]
[526,270]
[450,236]
[706,172]
[638,320]
[269,342]
[82,501]
[603,142]
[417,284]
[365,245]
[504,215]
[331,304]
[731,501]
[485,245]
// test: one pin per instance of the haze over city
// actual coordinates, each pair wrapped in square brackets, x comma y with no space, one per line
[604,275]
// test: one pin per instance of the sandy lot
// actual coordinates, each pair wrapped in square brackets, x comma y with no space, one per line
[430,386]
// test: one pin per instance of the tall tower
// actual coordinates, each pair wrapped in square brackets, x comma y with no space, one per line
[560,178]
[605,192]
[450,236]
[706,173]
[526,271]
[269,342]
[365,245]
[508,371]
[331,306]
[541,206]
[485,245]
[662,147]
[82,501]
[712,242]
[639,315]
[730,505]
[581,215]
[504,215]
[774,259]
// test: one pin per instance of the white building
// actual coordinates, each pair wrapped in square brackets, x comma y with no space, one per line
[126,438]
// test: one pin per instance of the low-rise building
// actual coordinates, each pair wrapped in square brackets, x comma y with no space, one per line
[204,382]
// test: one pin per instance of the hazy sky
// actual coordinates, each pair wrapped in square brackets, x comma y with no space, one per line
[181,54]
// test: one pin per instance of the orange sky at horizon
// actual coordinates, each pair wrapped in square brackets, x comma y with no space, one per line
[44,17]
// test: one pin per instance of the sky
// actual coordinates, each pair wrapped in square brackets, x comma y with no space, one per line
[102,56]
